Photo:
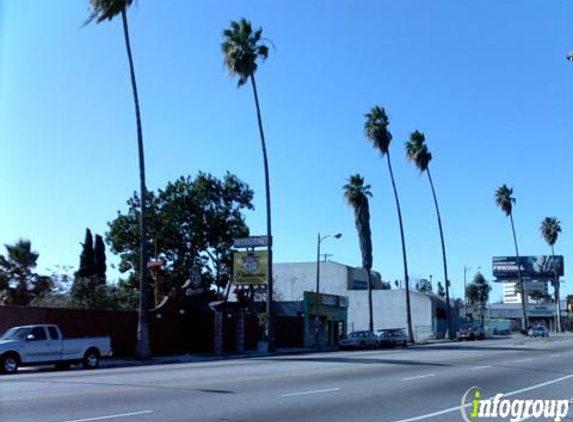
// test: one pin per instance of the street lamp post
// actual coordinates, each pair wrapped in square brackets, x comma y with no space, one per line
[317,296]
[466,269]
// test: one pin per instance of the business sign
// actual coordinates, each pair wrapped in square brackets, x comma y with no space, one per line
[251,242]
[250,267]
[540,267]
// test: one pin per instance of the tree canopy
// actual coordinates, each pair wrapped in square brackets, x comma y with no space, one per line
[19,283]
[190,222]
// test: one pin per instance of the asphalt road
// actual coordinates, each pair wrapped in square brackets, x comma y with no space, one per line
[401,385]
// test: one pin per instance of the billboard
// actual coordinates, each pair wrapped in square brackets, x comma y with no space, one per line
[250,267]
[540,267]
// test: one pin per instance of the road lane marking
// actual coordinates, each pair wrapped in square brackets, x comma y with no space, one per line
[119,415]
[418,377]
[511,393]
[302,393]
[524,360]
[477,368]
[557,355]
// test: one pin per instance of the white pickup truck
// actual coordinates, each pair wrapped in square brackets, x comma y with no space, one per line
[32,345]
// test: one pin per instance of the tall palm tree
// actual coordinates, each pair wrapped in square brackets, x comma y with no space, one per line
[243,48]
[356,195]
[550,229]
[376,129]
[109,9]
[505,200]
[418,153]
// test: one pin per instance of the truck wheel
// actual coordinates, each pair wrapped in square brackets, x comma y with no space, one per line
[91,359]
[9,364]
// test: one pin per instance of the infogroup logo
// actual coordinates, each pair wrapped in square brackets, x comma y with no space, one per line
[515,409]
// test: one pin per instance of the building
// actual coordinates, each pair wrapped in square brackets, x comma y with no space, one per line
[541,313]
[511,292]
[291,280]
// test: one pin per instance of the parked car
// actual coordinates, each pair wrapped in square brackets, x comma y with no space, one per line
[359,340]
[33,345]
[471,331]
[393,337]
[538,331]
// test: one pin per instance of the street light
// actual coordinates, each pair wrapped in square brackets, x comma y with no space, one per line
[317,296]
[466,269]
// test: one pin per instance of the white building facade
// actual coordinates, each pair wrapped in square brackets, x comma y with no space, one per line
[291,280]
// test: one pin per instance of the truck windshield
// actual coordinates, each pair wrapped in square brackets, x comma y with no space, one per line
[15,334]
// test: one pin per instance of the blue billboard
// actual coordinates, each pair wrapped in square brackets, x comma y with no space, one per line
[539,267]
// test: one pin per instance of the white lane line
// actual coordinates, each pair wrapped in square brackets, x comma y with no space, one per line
[119,415]
[477,368]
[302,393]
[524,360]
[557,355]
[418,377]
[511,393]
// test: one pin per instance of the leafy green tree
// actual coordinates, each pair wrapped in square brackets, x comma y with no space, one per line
[550,229]
[243,48]
[478,294]
[505,200]
[191,222]
[19,284]
[356,194]
[107,10]
[417,152]
[376,130]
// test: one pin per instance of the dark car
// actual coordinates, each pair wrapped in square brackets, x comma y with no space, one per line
[471,331]
[538,331]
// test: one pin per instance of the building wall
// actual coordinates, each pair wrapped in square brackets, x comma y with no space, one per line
[389,306]
[511,294]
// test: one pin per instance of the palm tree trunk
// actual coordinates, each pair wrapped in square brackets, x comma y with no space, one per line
[524,322]
[143,350]
[447,280]
[269,327]
[556,293]
[370,311]
[406,279]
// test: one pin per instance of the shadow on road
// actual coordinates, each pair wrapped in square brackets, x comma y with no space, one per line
[356,360]
[470,347]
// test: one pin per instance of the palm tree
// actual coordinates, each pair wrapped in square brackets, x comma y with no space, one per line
[243,48]
[109,9]
[505,200]
[376,129]
[550,229]
[356,195]
[417,152]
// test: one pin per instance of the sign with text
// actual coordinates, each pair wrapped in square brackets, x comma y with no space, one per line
[251,242]
[540,267]
[250,267]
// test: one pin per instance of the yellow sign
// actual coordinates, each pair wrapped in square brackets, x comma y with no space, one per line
[250,267]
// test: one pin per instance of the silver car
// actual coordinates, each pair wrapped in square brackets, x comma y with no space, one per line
[393,337]
[359,340]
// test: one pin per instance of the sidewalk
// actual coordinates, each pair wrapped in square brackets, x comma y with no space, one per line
[205,357]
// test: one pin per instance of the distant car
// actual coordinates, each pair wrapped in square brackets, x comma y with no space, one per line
[359,340]
[392,337]
[538,331]
[471,331]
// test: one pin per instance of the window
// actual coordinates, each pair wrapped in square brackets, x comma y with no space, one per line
[39,333]
[53,333]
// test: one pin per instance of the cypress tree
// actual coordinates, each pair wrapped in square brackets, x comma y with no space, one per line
[86,268]
[99,259]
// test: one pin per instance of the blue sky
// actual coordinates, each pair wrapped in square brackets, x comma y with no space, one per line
[487,82]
